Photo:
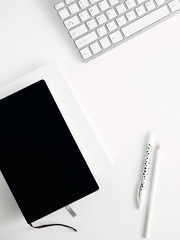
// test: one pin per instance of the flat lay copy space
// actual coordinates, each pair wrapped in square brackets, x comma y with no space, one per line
[121,108]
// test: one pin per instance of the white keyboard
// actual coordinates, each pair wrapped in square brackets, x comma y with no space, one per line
[98,25]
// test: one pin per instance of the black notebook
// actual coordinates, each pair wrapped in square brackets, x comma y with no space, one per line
[39,157]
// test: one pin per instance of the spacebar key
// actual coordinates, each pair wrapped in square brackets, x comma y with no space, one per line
[145,21]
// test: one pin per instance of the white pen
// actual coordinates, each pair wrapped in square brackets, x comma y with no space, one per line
[145,174]
[153,192]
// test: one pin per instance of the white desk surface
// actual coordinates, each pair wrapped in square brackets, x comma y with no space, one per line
[124,93]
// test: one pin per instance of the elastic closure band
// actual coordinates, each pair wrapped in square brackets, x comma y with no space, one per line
[55,224]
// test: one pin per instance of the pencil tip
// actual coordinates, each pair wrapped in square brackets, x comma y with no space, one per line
[158,146]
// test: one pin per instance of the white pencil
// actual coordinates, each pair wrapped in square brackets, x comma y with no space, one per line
[153,192]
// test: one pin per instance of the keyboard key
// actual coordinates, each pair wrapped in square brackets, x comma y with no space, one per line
[93,1]
[77,32]
[83,4]
[64,13]
[145,21]
[102,31]
[91,24]
[87,39]
[86,53]
[140,10]
[69,1]
[150,5]
[174,5]
[95,47]
[111,26]
[84,15]
[59,5]
[73,8]
[105,42]
[160,2]
[140,1]
[72,22]
[131,15]
[130,4]
[121,8]
[116,37]
[101,19]
[113,2]
[94,10]
[111,14]
[103,5]
[121,21]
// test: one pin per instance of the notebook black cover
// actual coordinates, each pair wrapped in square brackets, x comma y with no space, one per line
[39,158]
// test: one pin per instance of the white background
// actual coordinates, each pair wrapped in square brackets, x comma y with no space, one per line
[124,93]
